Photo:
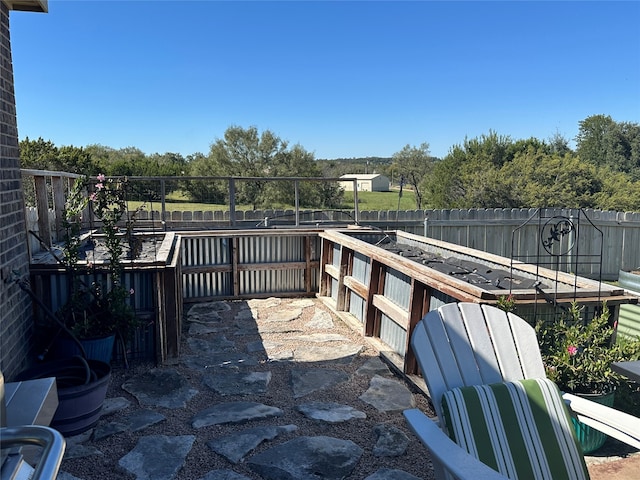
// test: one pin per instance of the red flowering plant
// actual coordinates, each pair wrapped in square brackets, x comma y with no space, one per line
[578,354]
[99,303]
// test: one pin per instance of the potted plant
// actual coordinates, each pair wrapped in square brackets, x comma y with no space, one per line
[98,306]
[578,354]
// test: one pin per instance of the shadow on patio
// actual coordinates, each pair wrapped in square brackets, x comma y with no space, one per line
[273,388]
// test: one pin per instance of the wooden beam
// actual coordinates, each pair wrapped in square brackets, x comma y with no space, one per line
[42,206]
[396,313]
[346,260]
[324,289]
[58,187]
[418,307]
[308,269]
[356,286]
[376,286]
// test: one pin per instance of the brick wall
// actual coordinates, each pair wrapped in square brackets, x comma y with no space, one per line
[15,305]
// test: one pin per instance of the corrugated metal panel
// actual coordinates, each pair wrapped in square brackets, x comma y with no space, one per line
[629,280]
[206,251]
[336,255]
[143,290]
[629,321]
[140,281]
[143,301]
[361,268]
[214,251]
[268,249]
[202,251]
[356,306]
[211,284]
[271,281]
[438,299]
[397,288]
[393,335]
[334,289]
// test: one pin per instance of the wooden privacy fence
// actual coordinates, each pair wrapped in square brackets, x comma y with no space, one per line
[489,230]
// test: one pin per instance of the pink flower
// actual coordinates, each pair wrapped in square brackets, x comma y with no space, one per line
[132,291]
[99,186]
[572,350]
[93,197]
[101,178]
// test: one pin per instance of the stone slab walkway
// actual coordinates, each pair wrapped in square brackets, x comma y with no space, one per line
[266,389]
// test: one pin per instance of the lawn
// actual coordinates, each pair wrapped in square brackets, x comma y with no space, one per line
[366,201]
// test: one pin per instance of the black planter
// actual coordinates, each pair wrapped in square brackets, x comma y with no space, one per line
[82,387]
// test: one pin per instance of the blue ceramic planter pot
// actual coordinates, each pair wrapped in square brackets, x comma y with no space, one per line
[100,348]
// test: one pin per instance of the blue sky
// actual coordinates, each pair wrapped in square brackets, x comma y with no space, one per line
[342,79]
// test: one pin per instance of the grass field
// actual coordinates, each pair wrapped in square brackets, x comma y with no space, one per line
[366,201]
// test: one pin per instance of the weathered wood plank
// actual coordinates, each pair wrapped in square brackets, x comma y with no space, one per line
[391,310]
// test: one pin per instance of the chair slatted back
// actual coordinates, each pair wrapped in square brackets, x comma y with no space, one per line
[463,344]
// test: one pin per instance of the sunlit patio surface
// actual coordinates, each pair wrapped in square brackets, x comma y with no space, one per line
[272,388]
[268,389]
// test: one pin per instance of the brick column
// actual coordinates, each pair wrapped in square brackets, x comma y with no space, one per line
[15,306]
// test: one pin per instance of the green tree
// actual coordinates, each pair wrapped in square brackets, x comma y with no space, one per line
[249,153]
[559,144]
[466,177]
[619,192]
[412,165]
[42,154]
[605,142]
[537,179]
[211,191]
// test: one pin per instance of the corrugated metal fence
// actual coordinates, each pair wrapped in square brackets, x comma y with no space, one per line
[489,230]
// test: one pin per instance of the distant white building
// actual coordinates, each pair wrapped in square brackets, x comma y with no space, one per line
[373,182]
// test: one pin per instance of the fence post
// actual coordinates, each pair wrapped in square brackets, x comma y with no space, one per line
[42,205]
[426,227]
[232,201]
[163,206]
[296,187]
[57,184]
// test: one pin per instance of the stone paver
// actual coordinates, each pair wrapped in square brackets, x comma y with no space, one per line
[389,474]
[238,383]
[234,412]
[388,395]
[217,364]
[306,381]
[342,354]
[391,441]
[157,456]
[161,387]
[236,446]
[308,458]
[330,412]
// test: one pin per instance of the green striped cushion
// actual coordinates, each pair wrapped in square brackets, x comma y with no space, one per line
[521,429]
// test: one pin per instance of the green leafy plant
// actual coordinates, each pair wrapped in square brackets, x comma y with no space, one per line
[99,304]
[578,354]
[506,303]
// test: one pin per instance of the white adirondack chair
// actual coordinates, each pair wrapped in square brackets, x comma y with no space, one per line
[465,344]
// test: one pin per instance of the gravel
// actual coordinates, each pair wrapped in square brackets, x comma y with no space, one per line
[202,459]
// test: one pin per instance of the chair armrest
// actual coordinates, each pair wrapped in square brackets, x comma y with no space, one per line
[612,422]
[446,452]
[51,441]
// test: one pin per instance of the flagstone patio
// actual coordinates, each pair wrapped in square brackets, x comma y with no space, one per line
[264,389]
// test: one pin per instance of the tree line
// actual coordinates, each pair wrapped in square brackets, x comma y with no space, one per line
[490,171]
